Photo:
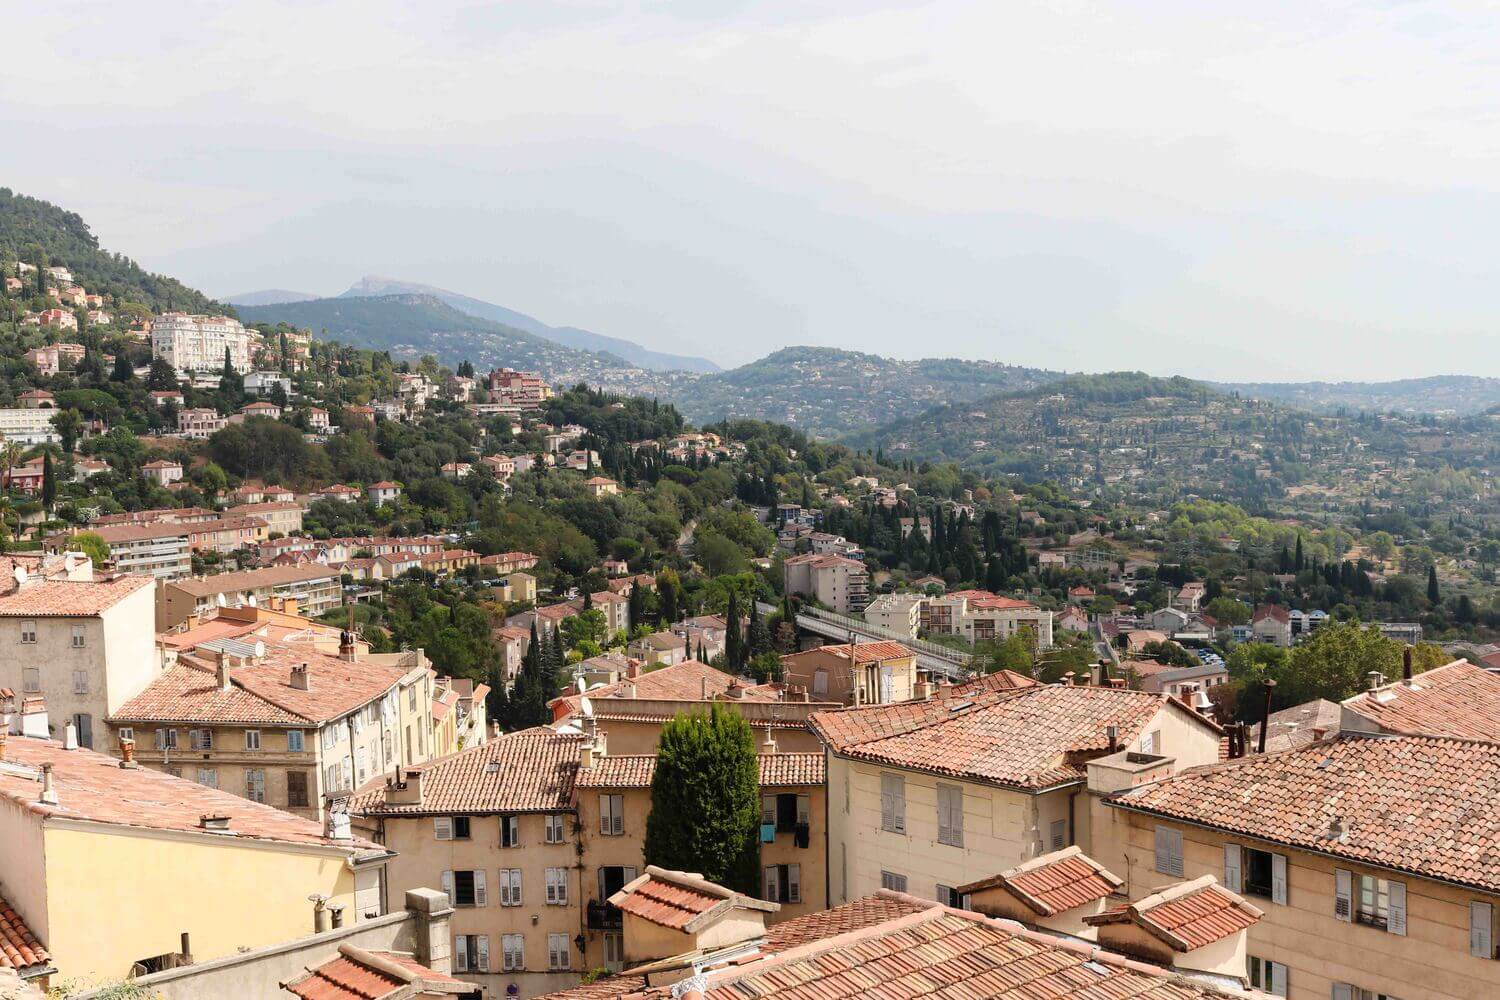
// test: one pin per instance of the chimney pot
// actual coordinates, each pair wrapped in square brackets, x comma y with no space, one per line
[1406,664]
[49,788]
[299,679]
[1376,679]
[1067,678]
[223,675]
[1265,720]
[127,754]
[1112,733]
[70,736]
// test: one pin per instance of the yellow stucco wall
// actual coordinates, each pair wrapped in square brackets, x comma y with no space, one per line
[116,897]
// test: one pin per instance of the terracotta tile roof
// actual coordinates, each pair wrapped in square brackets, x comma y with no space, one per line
[91,786]
[533,771]
[250,579]
[825,561]
[637,770]
[189,691]
[1053,883]
[1408,803]
[953,955]
[368,975]
[1293,727]
[1029,738]
[1000,680]
[1186,916]
[1459,699]
[664,901]
[685,681]
[864,652]
[19,948]
[1272,611]
[69,598]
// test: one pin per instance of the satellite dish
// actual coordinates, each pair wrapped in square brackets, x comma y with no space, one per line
[583,685]
[587,707]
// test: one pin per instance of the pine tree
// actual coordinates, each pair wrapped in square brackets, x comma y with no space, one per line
[123,370]
[705,800]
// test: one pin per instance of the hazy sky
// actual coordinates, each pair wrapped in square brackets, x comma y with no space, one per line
[1227,190]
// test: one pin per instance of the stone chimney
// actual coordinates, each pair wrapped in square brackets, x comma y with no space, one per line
[405,788]
[299,680]
[430,913]
[49,788]
[70,736]
[127,755]
[768,745]
[223,675]
[346,638]
[34,724]
[1376,679]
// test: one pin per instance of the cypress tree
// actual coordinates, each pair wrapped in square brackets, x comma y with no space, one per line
[705,800]
[734,652]
[49,484]
[1432,585]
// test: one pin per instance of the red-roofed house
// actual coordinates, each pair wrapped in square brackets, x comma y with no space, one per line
[868,673]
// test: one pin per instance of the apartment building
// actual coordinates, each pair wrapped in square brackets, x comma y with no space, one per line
[196,343]
[161,550]
[522,390]
[867,673]
[980,616]
[931,795]
[282,517]
[533,832]
[115,868]
[200,422]
[1371,859]
[280,722]
[900,614]
[839,584]
[83,644]
[315,587]
[28,426]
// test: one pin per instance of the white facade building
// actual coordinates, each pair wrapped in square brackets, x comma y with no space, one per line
[197,343]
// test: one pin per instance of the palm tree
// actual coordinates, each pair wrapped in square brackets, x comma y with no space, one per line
[10,457]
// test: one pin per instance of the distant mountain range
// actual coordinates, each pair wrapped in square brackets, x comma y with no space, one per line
[1457,394]
[411,325]
[372,286]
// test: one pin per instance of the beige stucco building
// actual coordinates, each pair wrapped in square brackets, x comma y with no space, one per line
[83,644]
[314,587]
[930,796]
[866,673]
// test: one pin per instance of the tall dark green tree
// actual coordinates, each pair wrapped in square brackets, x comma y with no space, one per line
[123,370]
[1433,594]
[734,644]
[705,800]
[49,483]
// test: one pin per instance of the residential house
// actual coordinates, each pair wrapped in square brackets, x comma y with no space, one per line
[384,491]
[81,641]
[282,517]
[1180,682]
[663,649]
[840,584]
[161,549]
[1459,699]
[280,722]
[1273,624]
[261,408]
[162,471]
[264,383]
[315,587]
[932,795]
[867,673]
[601,486]
[337,493]
[1364,854]
[199,422]
[85,833]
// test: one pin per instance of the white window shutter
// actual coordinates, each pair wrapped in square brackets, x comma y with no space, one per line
[768,808]
[1343,896]
[1278,979]
[448,886]
[482,951]
[1278,879]
[480,898]
[1481,930]
[1232,880]
[794,884]
[1161,848]
[770,884]
[442,827]
[1343,991]
[1396,915]
[460,951]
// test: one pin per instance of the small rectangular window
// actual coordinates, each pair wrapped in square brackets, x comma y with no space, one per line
[208,777]
[557,887]
[294,740]
[296,789]
[1169,851]
[510,887]
[554,832]
[611,815]
[950,800]
[255,784]
[78,636]
[892,881]
[559,957]
[1058,834]
[80,682]
[201,739]
[1267,976]
[166,739]
[949,896]
[510,831]
[514,946]
[252,739]
[893,803]
[125,733]
[28,631]
[31,680]
[460,828]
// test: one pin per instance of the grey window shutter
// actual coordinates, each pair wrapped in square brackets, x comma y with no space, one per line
[1343,896]
[1278,879]
[442,828]
[448,886]
[1343,991]
[1481,930]
[1396,914]
[1278,979]
[770,884]
[1232,880]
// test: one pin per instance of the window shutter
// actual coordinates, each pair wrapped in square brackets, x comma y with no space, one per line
[794,884]
[442,827]
[460,951]
[1278,979]
[1396,919]
[604,820]
[1343,897]
[770,884]
[1168,851]
[900,803]
[479,888]
[1278,879]
[482,952]
[448,886]
[1343,991]
[767,809]
[804,809]
[1232,880]
[1481,930]
[887,804]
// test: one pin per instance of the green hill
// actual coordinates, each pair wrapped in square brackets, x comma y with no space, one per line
[38,232]
[413,325]
[832,393]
